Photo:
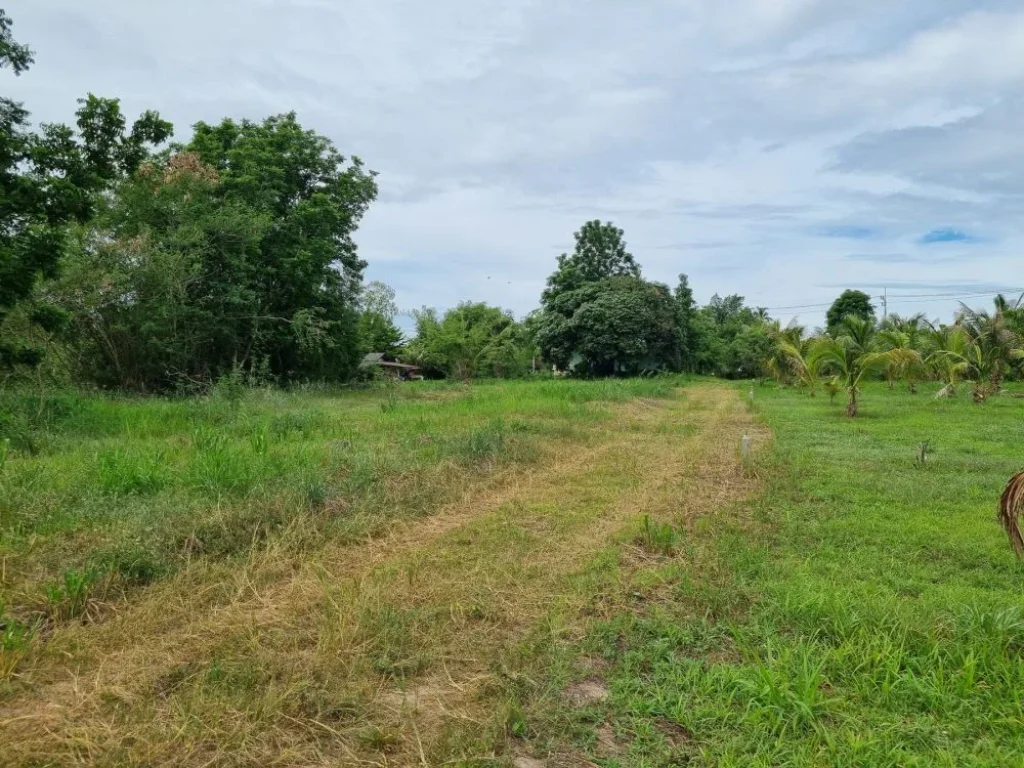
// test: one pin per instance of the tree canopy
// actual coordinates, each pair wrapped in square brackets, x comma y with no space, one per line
[473,339]
[850,302]
[600,253]
[617,324]
[233,252]
[377,329]
[51,179]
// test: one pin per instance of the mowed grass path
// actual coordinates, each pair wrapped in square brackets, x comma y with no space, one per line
[865,611]
[560,574]
[371,622]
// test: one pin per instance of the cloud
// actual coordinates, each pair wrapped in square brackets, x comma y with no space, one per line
[747,154]
[852,232]
[901,258]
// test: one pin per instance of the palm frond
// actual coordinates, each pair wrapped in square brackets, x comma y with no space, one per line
[1011,505]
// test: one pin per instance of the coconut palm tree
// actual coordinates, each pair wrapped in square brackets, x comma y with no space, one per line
[903,338]
[805,364]
[998,344]
[948,351]
[850,356]
[781,364]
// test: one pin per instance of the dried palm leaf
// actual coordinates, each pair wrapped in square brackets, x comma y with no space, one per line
[1011,506]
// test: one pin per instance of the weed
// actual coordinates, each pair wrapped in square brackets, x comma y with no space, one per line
[486,444]
[208,440]
[389,403]
[390,637]
[234,530]
[129,471]
[69,598]
[379,739]
[133,562]
[657,538]
[317,493]
[260,439]
[14,640]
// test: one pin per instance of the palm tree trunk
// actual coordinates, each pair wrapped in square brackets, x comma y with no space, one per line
[851,408]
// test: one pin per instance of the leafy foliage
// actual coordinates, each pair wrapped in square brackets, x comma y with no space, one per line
[377,330]
[732,339]
[850,302]
[232,254]
[50,179]
[614,325]
[473,339]
[600,253]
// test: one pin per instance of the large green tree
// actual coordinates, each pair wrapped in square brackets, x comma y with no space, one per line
[51,179]
[734,340]
[620,324]
[600,253]
[234,253]
[690,339]
[162,289]
[305,274]
[849,303]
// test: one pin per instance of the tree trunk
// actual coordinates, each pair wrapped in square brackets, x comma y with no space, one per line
[997,379]
[851,408]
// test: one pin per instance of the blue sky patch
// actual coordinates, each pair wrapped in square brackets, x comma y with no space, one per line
[946,235]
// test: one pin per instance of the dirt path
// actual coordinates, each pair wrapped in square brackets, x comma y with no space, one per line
[377,653]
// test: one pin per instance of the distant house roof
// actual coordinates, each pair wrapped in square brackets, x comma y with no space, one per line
[384,360]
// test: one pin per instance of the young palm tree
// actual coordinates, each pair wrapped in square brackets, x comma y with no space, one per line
[780,363]
[905,360]
[850,356]
[948,350]
[998,344]
[905,338]
[803,362]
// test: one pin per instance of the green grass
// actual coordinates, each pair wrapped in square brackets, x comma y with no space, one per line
[129,490]
[862,609]
[866,611]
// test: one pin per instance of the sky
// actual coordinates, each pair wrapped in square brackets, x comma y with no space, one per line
[780,149]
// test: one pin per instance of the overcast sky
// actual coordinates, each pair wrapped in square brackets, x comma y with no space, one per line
[780,149]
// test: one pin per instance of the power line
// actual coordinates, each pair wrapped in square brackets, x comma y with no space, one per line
[909,298]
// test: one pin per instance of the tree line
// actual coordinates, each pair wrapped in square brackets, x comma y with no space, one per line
[131,262]
[981,347]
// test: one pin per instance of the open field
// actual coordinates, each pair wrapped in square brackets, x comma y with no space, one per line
[864,611]
[529,573]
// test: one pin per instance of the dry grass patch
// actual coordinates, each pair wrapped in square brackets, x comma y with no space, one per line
[383,650]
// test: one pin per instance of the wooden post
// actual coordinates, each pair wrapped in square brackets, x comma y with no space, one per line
[922,452]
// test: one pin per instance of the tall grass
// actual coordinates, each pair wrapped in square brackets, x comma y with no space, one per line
[130,489]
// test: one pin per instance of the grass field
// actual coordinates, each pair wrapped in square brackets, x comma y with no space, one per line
[864,611]
[527,573]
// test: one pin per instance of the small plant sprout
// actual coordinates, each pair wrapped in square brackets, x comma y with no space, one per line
[657,538]
[259,439]
[1011,505]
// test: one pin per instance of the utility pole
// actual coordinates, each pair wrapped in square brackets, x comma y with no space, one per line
[885,304]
